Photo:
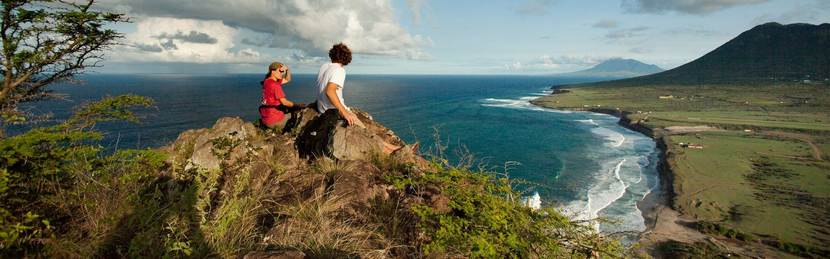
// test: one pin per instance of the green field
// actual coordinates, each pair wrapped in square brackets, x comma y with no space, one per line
[765,171]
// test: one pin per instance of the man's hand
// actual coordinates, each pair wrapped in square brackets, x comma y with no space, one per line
[350,117]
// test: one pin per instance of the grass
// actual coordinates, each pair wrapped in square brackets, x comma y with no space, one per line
[712,182]
[764,173]
[792,107]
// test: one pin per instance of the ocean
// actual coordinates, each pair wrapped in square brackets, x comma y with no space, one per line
[584,163]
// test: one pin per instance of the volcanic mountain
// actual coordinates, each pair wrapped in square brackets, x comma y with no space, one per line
[616,68]
[768,53]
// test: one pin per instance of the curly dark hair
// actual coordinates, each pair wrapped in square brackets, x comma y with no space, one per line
[340,53]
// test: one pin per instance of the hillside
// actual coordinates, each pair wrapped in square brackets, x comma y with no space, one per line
[314,189]
[616,68]
[768,53]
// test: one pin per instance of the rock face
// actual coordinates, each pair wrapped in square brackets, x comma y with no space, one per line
[197,144]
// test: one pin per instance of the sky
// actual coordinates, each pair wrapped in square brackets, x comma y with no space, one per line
[536,37]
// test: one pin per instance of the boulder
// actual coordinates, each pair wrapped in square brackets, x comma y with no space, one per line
[328,135]
[194,148]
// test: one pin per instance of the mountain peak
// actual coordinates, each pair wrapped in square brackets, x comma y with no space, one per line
[617,68]
[770,52]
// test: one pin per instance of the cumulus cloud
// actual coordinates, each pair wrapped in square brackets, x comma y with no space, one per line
[184,40]
[535,7]
[606,24]
[684,6]
[367,26]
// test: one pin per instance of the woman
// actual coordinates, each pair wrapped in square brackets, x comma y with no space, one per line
[273,98]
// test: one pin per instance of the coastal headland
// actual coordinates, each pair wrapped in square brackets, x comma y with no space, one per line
[745,132]
[744,168]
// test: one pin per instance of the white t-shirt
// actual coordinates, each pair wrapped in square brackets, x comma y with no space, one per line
[334,73]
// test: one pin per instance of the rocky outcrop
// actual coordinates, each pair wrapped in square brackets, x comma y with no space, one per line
[313,135]
[328,135]
[314,163]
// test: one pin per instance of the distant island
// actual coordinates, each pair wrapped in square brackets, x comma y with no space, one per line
[744,132]
[616,68]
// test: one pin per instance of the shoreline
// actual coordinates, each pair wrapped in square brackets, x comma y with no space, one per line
[653,205]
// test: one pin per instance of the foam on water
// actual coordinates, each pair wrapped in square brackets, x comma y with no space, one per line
[615,188]
[615,139]
[534,201]
[589,122]
[522,103]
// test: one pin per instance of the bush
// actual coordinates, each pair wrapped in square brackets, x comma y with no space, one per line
[486,220]
[46,172]
[720,230]
[679,250]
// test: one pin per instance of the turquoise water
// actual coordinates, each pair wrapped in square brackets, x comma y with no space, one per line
[582,162]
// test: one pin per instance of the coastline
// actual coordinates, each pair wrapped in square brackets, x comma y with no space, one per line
[657,208]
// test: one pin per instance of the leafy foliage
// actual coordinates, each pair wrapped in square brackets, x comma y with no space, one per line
[485,220]
[43,167]
[48,41]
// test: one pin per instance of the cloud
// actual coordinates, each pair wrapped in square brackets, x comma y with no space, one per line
[148,47]
[516,66]
[606,24]
[554,64]
[535,7]
[168,45]
[816,12]
[416,8]
[256,42]
[626,33]
[192,36]
[367,26]
[684,6]
[184,40]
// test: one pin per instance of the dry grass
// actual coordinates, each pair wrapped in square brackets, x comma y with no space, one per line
[315,227]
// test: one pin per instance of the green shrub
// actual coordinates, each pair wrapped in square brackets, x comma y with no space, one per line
[44,171]
[680,250]
[486,220]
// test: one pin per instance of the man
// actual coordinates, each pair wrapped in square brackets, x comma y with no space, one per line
[330,81]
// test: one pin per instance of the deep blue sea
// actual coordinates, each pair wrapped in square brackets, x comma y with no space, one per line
[582,162]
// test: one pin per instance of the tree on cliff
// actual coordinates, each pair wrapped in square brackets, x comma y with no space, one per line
[44,42]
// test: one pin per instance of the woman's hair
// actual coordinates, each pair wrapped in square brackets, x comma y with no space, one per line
[340,53]
[267,75]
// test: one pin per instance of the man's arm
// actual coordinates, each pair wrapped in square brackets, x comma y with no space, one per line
[331,93]
[287,77]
